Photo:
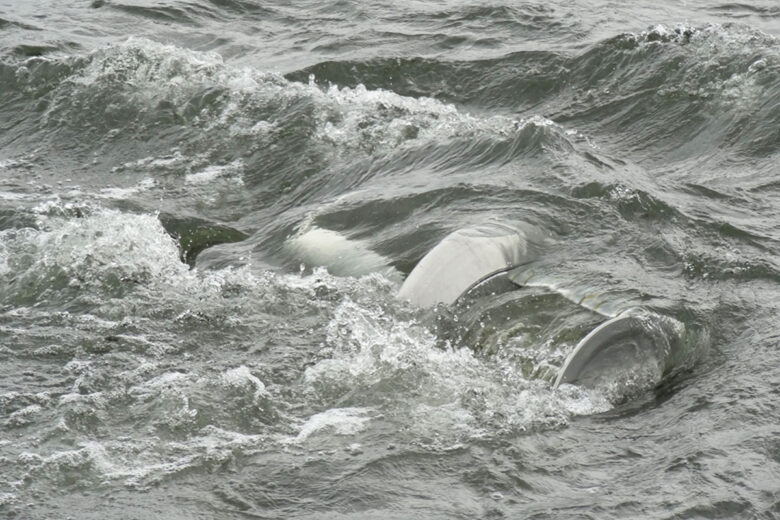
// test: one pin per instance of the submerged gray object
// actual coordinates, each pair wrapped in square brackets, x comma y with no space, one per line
[467,257]
[636,347]
[635,338]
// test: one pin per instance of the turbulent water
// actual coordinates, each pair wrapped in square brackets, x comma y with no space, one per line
[207,208]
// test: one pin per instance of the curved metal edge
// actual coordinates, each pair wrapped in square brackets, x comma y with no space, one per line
[588,346]
[631,321]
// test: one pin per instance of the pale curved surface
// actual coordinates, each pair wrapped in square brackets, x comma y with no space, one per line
[341,256]
[466,257]
[633,336]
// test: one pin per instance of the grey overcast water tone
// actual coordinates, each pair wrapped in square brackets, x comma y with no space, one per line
[207,208]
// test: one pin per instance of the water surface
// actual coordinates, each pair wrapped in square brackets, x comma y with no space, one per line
[172,172]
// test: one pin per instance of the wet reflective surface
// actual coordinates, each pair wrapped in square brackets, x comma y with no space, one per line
[172,172]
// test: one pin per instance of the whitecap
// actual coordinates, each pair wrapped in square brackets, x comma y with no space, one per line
[242,377]
[341,421]
[211,173]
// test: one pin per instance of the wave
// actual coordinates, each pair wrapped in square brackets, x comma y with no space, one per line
[672,90]
[680,91]
[141,82]
[292,141]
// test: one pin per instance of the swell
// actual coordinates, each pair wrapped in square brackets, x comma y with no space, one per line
[739,10]
[519,81]
[654,92]
[713,248]
[664,95]
[193,14]
[676,92]
[186,15]
[301,144]
[184,109]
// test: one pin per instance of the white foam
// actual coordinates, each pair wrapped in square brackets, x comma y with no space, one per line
[350,118]
[150,62]
[171,162]
[447,390]
[709,46]
[7,195]
[123,193]
[24,416]
[212,445]
[382,119]
[166,380]
[5,268]
[101,245]
[140,463]
[211,173]
[240,377]
[340,421]
[77,397]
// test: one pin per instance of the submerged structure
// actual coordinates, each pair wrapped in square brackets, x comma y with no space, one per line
[631,346]
[633,343]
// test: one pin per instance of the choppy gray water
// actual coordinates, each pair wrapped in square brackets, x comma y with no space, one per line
[172,172]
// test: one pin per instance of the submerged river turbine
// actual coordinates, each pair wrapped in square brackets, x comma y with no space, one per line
[635,341]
